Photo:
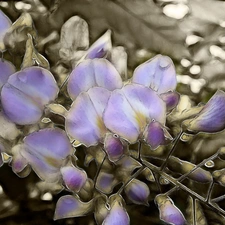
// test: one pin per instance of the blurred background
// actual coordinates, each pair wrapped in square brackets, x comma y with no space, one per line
[191,32]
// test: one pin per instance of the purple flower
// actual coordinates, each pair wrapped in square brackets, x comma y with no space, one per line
[46,150]
[101,47]
[93,73]
[159,74]
[73,177]
[138,192]
[26,93]
[169,213]
[84,120]
[5,24]
[131,109]
[211,118]
[117,215]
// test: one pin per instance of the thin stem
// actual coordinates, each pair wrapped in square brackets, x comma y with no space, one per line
[99,169]
[139,149]
[209,193]
[156,177]
[218,199]
[130,179]
[171,151]
[194,210]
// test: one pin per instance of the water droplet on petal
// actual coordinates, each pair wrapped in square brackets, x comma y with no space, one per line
[209,164]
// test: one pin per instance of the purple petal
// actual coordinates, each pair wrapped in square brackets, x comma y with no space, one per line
[135,106]
[138,192]
[45,150]
[18,163]
[19,107]
[92,73]
[158,73]
[101,47]
[113,147]
[5,24]
[6,69]
[84,120]
[154,135]
[171,99]
[69,206]
[106,182]
[36,82]
[212,117]
[169,213]
[73,177]
[117,215]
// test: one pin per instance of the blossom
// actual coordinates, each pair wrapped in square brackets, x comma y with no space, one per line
[211,118]
[93,73]
[159,74]
[131,109]
[26,93]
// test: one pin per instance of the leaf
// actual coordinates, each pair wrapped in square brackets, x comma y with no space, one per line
[70,206]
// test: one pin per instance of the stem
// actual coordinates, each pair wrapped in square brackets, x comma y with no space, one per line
[177,184]
[194,211]
[218,199]
[99,169]
[209,193]
[139,149]
[171,151]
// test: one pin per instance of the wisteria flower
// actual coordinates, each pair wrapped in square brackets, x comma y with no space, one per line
[131,109]
[159,74]
[45,151]
[93,73]
[26,93]
[211,118]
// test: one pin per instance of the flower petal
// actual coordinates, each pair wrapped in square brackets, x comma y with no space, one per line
[113,147]
[138,192]
[135,105]
[212,117]
[45,151]
[5,24]
[84,120]
[6,69]
[73,177]
[36,82]
[117,215]
[169,213]
[101,47]
[158,73]
[154,135]
[171,99]
[92,73]
[19,107]
[69,206]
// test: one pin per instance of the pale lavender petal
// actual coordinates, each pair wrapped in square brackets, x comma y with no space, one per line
[154,135]
[69,206]
[18,163]
[5,24]
[158,73]
[6,69]
[73,178]
[36,82]
[84,120]
[113,147]
[91,73]
[101,47]
[135,105]
[117,216]
[138,192]
[45,150]
[212,117]
[169,213]
[171,99]
[120,118]
[19,107]
[146,103]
